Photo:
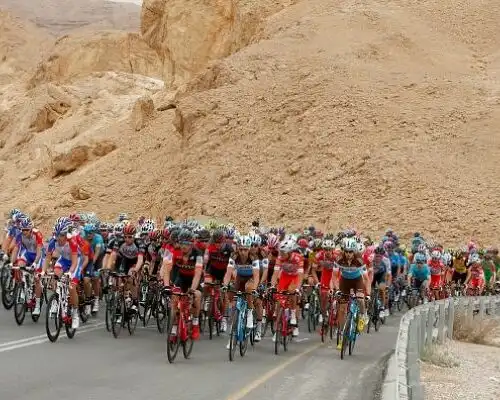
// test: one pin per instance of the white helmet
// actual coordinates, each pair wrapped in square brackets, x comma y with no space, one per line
[350,244]
[328,244]
[436,255]
[256,239]
[287,246]
[245,242]
[361,247]
[474,258]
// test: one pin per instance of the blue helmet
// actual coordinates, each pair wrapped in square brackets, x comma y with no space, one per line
[62,226]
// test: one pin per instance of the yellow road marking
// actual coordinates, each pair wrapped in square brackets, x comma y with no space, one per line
[240,394]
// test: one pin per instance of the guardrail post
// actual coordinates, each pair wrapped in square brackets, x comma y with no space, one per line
[413,366]
[430,325]
[441,322]
[451,318]
[423,321]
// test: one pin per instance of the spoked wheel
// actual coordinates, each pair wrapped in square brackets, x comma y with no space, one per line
[278,332]
[173,341]
[233,337]
[118,315]
[19,303]
[162,313]
[187,346]
[132,318]
[345,335]
[110,305]
[148,311]
[35,317]
[70,332]
[352,341]
[8,286]
[53,318]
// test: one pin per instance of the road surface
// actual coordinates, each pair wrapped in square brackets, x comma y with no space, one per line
[94,365]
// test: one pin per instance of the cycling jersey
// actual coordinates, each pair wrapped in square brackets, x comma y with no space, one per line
[381,265]
[459,265]
[422,273]
[292,265]
[436,267]
[28,246]
[350,270]
[244,269]
[187,264]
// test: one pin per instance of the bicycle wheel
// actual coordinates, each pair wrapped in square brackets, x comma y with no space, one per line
[70,332]
[118,315]
[162,311]
[19,303]
[147,306]
[311,314]
[324,331]
[233,336]
[245,332]
[132,318]
[278,331]
[173,341]
[187,346]
[8,291]
[345,334]
[353,334]
[110,305]
[284,338]
[53,313]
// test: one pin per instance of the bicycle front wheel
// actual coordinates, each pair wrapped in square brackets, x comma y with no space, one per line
[233,336]
[345,335]
[53,316]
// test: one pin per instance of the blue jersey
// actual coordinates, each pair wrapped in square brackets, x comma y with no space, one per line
[420,273]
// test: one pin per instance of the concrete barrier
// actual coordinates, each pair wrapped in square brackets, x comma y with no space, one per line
[420,327]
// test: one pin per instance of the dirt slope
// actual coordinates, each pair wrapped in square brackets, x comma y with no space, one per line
[374,113]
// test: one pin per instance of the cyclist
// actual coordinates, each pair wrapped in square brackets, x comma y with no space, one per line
[28,248]
[351,278]
[475,274]
[247,270]
[289,270]
[96,243]
[379,271]
[437,273]
[188,268]
[419,275]
[64,246]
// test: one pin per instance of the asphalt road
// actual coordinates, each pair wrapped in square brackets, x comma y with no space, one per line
[94,365]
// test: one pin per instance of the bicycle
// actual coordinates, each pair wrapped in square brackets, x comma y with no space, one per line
[374,309]
[240,333]
[268,317]
[212,306]
[314,310]
[330,323]
[349,332]
[120,307]
[59,309]
[184,328]
[24,295]
[283,329]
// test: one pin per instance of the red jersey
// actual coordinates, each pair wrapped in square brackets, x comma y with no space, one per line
[293,265]
[436,267]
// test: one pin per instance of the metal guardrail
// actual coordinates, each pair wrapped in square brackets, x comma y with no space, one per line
[419,328]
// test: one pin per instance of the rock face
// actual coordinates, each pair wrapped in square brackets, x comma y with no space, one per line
[79,55]
[188,35]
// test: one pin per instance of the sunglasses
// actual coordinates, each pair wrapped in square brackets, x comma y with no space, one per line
[420,262]
[128,237]
[349,252]
[26,230]
[186,243]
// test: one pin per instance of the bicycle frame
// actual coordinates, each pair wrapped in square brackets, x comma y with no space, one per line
[184,306]
[242,307]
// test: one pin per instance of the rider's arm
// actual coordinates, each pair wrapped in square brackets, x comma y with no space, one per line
[168,262]
[276,273]
[469,276]
[265,268]
[256,271]
[229,272]
[198,269]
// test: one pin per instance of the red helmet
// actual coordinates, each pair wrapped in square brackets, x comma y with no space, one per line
[155,235]
[303,243]
[165,233]
[129,230]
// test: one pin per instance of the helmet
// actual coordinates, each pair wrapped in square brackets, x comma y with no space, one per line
[327,244]
[303,243]
[122,217]
[62,226]
[26,223]
[379,250]
[174,234]
[420,258]
[287,246]
[421,248]
[350,244]
[186,235]
[155,235]
[203,235]
[217,236]
[118,229]
[245,242]
[89,228]
[129,230]
[474,258]
[165,233]
[229,232]
[361,247]
[256,239]
[318,243]
[13,212]
[435,255]
[147,227]
[273,241]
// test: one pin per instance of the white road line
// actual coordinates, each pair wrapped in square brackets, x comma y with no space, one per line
[43,339]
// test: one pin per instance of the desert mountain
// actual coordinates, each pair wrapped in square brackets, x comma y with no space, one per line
[374,113]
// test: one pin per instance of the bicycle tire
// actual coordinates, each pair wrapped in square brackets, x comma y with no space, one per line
[233,335]
[244,342]
[19,304]
[162,308]
[110,303]
[278,331]
[284,338]
[118,311]
[218,322]
[132,318]
[8,292]
[57,317]
[187,346]
[352,341]
[70,332]
[345,334]
[171,345]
